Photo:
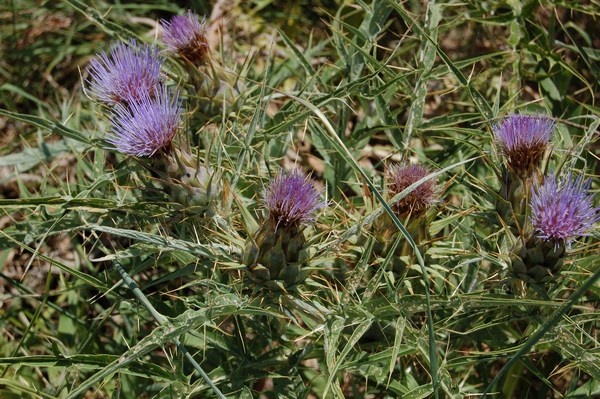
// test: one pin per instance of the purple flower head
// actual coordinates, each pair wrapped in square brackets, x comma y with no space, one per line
[523,139]
[562,210]
[418,201]
[129,72]
[292,199]
[144,127]
[186,35]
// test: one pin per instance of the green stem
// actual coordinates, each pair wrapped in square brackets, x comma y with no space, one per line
[334,139]
[160,319]
[430,329]
[543,329]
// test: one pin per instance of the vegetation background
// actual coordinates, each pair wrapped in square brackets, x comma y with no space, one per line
[340,89]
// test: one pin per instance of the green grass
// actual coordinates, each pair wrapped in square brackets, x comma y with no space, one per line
[340,90]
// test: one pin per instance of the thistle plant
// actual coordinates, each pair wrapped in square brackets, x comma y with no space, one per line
[276,254]
[561,211]
[410,209]
[128,73]
[145,118]
[523,141]
[186,35]
[165,200]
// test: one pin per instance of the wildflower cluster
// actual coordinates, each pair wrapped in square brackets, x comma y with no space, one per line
[321,206]
[146,117]
[146,114]
[561,210]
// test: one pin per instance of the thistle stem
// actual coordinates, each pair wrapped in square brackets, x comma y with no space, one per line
[162,320]
[430,327]
[540,332]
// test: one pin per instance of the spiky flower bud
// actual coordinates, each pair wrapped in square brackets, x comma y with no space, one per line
[418,201]
[191,184]
[129,72]
[186,36]
[144,127]
[523,139]
[537,261]
[410,209]
[561,211]
[276,253]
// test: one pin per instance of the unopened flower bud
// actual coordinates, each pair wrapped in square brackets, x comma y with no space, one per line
[538,261]
[191,184]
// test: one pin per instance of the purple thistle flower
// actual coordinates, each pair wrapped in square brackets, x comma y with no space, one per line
[562,210]
[186,35]
[523,139]
[418,201]
[127,73]
[292,199]
[144,127]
